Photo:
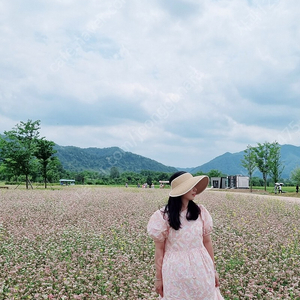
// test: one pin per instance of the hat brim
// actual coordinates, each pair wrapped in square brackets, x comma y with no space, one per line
[200,182]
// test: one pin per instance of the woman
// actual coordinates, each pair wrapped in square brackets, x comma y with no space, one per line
[184,258]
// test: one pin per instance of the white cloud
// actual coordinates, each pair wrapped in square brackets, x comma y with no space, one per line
[176,81]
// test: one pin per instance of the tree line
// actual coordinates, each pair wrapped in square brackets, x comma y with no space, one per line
[266,158]
[24,154]
[27,157]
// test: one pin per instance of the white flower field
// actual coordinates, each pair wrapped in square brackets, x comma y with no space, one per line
[91,243]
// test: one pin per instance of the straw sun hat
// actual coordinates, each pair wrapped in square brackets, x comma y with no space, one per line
[185,182]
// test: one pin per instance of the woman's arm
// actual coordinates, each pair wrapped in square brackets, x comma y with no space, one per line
[209,247]
[159,256]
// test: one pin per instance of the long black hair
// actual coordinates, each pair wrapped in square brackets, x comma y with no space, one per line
[174,205]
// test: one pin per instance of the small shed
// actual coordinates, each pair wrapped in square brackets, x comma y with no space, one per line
[162,183]
[66,181]
[238,182]
[219,182]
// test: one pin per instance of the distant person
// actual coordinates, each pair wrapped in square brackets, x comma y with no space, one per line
[152,186]
[275,188]
[126,185]
[297,188]
[280,189]
[184,256]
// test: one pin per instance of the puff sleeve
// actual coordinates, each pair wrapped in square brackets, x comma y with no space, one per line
[158,227]
[207,221]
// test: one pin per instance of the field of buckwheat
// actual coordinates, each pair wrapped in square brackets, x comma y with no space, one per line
[91,243]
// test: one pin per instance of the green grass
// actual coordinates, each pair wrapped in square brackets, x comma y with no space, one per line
[270,189]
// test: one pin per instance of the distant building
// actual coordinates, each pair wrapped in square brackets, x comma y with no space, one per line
[238,182]
[67,181]
[162,183]
[219,182]
[230,182]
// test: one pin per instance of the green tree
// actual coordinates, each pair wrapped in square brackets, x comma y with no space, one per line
[2,171]
[18,147]
[276,166]
[214,173]
[267,160]
[149,180]
[199,173]
[55,170]
[257,181]
[44,153]
[80,177]
[295,176]
[249,163]
[114,173]
[262,156]
[163,176]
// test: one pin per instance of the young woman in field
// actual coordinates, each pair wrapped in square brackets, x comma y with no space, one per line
[184,257]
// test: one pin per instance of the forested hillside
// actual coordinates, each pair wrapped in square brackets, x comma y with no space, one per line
[102,160]
[230,163]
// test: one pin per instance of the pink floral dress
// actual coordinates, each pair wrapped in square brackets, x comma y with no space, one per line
[187,270]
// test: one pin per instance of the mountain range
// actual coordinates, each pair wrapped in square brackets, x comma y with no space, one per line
[230,163]
[103,159]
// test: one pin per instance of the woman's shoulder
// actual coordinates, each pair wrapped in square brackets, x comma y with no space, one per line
[202,206]
[159,213]
[203,209]
[158,226]
[207,220]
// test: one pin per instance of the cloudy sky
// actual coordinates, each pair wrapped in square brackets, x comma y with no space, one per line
[177,81]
